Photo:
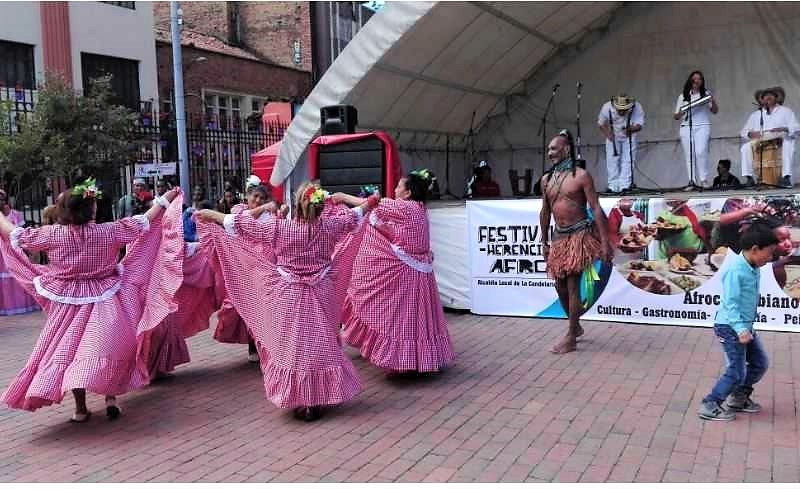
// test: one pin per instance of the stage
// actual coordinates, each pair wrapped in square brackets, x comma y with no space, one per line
[487,259]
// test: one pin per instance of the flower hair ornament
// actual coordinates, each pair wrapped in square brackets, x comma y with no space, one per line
[426,175]
[315,195]
[87,190]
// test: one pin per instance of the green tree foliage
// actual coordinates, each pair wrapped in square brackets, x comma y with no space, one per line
[67,135]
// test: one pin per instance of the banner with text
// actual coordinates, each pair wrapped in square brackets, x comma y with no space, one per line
[669,255]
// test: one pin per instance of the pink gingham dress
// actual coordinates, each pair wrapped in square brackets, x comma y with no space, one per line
[392,312]
[289,306]
[230,325]
[13,297]
[100,314]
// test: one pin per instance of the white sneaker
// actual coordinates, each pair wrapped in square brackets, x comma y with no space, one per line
[253,358]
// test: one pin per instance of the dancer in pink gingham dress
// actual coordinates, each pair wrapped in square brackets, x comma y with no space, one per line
[392,311]
[289,306]
[13,298]
[96,308]
[230,325]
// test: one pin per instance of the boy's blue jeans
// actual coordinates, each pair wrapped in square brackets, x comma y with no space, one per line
[744,364]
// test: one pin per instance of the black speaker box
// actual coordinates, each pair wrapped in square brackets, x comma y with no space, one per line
[338,119]
[346,167]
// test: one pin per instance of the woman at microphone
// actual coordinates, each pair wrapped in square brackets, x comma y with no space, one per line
[697,140]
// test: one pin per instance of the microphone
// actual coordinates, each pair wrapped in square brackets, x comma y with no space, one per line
[555,87]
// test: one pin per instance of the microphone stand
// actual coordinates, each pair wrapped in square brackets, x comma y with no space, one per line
[543,127]
[692,157]
[630,146]
[761,146]
[579,161]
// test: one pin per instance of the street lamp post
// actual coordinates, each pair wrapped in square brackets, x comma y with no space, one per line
[180,111]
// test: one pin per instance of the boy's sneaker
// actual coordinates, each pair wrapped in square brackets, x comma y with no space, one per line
[714,412]
[742,404]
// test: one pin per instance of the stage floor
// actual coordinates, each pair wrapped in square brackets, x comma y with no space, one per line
[646,194]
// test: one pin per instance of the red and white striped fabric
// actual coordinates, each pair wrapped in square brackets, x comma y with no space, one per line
[230,325]
[289,306]
[13,298]
[392,312]
[96,311]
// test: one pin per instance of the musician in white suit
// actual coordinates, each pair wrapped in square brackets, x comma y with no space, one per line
[695,127]
[620,119]
[780,122]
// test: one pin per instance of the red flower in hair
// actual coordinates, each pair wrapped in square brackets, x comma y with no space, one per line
[309,192]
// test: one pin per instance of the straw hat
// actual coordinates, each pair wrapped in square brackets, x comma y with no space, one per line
[780,94]
[622,101]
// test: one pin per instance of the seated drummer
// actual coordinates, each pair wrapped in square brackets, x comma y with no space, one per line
[778,121]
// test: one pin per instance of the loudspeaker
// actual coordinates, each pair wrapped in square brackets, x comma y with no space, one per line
[346,167]
[338,119]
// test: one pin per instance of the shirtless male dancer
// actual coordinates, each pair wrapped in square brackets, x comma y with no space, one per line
[567,191]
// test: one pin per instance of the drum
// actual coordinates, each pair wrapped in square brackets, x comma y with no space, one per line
[768,159]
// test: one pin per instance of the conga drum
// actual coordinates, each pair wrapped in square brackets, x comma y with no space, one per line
[768,158]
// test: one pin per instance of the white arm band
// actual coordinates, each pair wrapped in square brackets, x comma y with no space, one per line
[162,201]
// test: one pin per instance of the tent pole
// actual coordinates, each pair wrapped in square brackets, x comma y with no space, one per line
[447,164]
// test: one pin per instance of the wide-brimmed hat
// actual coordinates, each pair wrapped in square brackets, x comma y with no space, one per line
[780,94]
[622,101]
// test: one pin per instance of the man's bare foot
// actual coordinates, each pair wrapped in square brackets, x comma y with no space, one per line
[566,345]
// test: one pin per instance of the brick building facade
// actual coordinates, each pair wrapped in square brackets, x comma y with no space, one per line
[276,32]
[223,69]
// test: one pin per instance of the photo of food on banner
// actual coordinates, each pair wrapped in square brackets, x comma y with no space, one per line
[661,246]
[782,213]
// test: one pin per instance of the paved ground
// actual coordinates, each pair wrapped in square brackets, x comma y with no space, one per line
[622,409]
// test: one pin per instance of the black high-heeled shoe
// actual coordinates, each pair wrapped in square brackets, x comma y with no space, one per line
[312,414]
[113,411]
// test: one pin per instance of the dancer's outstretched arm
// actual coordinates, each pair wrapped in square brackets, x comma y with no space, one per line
[208,215]
[156,210]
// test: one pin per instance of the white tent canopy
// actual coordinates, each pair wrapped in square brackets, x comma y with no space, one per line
[431,72]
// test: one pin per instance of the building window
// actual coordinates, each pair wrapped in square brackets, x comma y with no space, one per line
[130,5]
[256,105]
[16,65]
[222,111]
[124,77]
[166,103]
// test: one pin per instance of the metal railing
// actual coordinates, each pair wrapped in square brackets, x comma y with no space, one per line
[219,152]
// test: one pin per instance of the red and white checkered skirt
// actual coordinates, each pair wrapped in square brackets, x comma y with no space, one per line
[231,328]
[94,346]
[230,325]
[294,325]
[393,313]
[197,301]
[13,297]
[199,296]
